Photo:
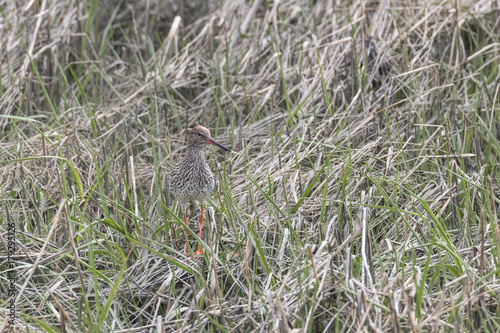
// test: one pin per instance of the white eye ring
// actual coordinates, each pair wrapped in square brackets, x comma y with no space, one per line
[199,133]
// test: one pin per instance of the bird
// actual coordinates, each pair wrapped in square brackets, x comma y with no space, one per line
[191,178]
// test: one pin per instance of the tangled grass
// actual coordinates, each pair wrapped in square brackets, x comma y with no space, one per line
[362,196]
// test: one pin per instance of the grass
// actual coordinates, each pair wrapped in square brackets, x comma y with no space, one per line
[362,195]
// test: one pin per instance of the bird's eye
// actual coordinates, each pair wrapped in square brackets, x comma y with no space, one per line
[199,133]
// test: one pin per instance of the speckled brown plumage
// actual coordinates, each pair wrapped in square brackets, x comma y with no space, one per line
[191,178]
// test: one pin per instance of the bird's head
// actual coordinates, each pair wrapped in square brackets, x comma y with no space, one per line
[199,136]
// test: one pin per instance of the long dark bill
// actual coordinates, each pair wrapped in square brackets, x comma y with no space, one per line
[215,143]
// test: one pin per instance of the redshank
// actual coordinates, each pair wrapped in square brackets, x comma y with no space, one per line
[191,178]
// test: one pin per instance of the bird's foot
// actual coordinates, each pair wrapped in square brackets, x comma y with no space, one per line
[197,253]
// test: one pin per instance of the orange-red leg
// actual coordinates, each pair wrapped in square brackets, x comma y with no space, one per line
[201,226]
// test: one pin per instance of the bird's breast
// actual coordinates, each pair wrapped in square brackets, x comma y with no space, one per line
[191,182]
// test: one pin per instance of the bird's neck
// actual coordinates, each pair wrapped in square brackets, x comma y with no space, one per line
[196,152]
